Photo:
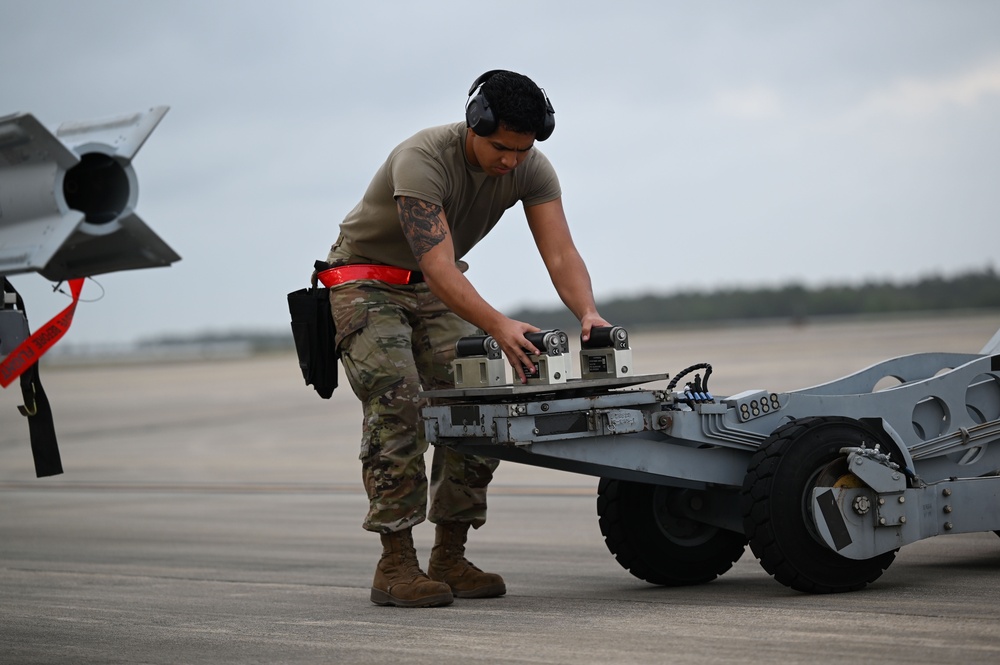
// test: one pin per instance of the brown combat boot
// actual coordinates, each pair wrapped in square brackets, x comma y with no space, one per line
[399,580]
[448,564]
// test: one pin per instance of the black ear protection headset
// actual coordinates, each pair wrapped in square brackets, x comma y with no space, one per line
[480,116]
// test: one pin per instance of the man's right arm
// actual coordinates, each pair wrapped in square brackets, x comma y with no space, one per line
[426,229]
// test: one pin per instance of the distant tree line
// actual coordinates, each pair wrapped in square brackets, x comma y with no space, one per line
[794,302]
[973,290]
[249,341]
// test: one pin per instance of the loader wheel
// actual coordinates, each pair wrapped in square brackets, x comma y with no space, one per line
[777,496]
[657,546]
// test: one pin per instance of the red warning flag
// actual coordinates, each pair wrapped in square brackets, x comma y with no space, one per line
[33,348]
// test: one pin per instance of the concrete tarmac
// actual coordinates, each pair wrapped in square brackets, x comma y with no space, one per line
[210,512]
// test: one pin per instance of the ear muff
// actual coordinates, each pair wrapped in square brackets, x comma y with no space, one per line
[479,116]
[549,124]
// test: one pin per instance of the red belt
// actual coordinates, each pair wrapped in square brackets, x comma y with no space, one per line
[355,271]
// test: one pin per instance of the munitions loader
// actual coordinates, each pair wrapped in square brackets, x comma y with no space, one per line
[825,483]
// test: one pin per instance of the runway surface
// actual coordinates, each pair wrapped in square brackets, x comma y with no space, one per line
[210,512]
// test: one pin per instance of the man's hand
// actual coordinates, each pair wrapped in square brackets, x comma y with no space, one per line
[509,334]
[589,321]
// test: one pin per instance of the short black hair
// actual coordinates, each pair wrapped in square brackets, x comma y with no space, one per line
[517,102]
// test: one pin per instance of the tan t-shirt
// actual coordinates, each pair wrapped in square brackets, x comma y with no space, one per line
[432,166]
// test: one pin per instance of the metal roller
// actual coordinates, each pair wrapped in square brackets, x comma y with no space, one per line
[606,354]
[605,337]
[476,346]
[478,363]
[549,342]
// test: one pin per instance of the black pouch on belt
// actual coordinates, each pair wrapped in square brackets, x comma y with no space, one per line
[315,335]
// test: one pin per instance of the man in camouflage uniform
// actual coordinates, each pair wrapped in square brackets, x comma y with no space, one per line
[400,301]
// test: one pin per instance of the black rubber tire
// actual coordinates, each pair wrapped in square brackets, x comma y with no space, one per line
[776,495]
[656,546]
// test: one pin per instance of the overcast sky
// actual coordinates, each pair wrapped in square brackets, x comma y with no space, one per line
[699,144]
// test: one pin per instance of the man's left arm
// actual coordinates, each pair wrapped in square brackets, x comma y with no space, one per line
[566,268]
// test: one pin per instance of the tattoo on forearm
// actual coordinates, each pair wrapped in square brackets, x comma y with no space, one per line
[423,224]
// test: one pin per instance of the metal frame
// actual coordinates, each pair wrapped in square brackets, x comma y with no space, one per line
[943,416]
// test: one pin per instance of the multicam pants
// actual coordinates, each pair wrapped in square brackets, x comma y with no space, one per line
[395,341]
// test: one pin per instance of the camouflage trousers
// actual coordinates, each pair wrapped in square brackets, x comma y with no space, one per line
[395,341]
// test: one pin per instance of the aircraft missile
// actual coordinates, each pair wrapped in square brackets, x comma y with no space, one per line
[67,200]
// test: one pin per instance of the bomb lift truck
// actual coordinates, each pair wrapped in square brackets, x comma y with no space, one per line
[824,483]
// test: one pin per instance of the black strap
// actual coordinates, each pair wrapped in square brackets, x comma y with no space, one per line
[41,428]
